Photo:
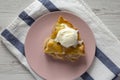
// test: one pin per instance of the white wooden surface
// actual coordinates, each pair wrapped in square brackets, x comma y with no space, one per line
[10,68]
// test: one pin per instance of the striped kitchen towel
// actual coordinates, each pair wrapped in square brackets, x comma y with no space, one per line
[106,65]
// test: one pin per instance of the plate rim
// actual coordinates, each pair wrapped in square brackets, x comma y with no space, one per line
[55,13]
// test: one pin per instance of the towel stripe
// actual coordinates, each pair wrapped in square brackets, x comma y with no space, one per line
[86,76]
[49,5]
[107,62]
[25,17]
[13,40]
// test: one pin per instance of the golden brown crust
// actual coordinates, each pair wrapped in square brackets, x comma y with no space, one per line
[57,51]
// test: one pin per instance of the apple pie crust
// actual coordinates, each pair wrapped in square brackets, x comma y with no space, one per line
[57,51]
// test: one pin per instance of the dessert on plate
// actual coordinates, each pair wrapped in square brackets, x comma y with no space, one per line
[64,43]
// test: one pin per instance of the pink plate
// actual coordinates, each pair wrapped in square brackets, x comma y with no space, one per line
[45,66]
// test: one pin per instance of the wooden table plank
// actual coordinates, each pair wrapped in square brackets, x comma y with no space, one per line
[16,77]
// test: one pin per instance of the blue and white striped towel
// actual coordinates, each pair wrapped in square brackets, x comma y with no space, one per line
[106,64]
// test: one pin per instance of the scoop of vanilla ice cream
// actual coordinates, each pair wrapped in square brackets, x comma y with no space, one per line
[67,37]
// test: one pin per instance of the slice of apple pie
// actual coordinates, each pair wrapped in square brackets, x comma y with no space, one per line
[64,42]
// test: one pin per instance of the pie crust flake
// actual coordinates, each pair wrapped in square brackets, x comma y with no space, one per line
[56,49]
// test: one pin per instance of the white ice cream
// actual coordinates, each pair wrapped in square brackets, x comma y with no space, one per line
[67,37]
